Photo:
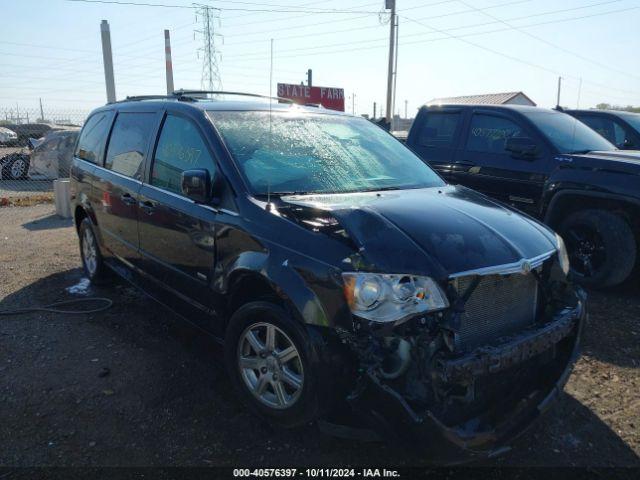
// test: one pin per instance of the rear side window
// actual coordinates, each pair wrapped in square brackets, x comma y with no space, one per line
[93,137]
[180,148]
[128,143]
[439,129]
[488,134]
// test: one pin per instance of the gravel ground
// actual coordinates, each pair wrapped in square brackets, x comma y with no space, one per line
[133,386]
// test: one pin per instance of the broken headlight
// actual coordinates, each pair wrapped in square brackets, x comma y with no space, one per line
[563,257]
[389,298]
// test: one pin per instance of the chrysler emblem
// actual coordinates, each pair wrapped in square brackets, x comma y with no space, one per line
[525,266]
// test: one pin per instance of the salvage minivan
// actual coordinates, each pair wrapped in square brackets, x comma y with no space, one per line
[337,269]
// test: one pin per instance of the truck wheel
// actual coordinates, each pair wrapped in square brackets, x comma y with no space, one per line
[601,247]
[92,262]
[268,358]
[17,168]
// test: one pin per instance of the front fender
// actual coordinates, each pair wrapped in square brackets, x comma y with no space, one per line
[311,289]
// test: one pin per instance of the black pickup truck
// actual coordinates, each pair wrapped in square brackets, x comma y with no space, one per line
[549,165]
[620,128]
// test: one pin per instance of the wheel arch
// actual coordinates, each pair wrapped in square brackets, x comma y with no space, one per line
[257,275]
[568,201]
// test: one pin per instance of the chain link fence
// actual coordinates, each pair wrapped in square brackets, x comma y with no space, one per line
[36,148]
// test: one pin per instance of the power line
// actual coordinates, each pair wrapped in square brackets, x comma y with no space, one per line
[346,30]
[293,17]
[502,54]
[551,44]
[229,9]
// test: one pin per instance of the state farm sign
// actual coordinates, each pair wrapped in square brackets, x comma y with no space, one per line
[332,98]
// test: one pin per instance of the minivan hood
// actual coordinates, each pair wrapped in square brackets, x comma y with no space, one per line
[437,231]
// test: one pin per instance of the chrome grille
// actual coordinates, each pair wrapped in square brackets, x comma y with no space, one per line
[500,305]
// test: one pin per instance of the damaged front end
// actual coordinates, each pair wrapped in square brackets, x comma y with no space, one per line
[477,373]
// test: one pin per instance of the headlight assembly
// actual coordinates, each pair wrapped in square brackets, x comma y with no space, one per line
[563,257]
[390,298]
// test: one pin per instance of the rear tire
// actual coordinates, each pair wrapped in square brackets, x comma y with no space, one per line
[275,379]
[92,261]
[601,246]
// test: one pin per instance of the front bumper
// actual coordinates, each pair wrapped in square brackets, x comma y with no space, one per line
[487,433]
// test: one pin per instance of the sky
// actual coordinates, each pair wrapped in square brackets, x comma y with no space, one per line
[51,50]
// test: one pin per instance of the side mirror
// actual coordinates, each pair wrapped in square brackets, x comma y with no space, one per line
[196,185]
[521,147]
[627,145]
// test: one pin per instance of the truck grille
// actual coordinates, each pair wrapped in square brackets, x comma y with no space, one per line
[500,305]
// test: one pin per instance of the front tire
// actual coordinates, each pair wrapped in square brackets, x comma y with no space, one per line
[601,247]
[17,168]
[92,261]
[268,356]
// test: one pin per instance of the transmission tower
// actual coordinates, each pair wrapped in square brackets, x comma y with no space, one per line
[210,56]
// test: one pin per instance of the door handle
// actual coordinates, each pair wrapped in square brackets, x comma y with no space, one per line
[148,207]
[127,199]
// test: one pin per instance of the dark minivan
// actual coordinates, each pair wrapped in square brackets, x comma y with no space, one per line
[339,271]
[549,165]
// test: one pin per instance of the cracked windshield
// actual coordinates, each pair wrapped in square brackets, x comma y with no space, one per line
[301,153]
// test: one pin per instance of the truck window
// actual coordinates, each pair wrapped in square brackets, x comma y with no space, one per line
[93,137]
[128,143]
[439,129]
[180,148]
[608,128]
[488,133]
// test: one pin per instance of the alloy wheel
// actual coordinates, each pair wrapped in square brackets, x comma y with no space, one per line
[270,365]
[89,252]
[587,252]
[18,168]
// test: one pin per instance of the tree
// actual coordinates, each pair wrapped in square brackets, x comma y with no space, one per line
[628,108]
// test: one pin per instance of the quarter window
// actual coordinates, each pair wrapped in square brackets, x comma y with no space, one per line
[128,143]
[439,129]
[180,148]
[93,137]
[489,134]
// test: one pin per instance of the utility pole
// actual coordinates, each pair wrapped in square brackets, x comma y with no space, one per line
[391,5]
[309,78]
[405,109]
[353,104]
[41,111]
[559,88]
[374,109]
[107,60]
[210,73]
[168,62]
[579,93]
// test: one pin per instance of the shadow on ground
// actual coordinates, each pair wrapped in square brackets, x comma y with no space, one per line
[135,386]
[47,223]
[613,328]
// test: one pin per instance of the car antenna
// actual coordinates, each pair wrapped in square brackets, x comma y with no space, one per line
[269,206]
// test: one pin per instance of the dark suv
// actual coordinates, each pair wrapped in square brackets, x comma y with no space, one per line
[549,165]
[620,128]
[342,275]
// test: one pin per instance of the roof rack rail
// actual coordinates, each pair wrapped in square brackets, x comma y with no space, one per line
[189,94]
[140,98]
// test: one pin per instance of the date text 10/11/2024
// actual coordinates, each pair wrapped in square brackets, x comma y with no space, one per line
[316,472]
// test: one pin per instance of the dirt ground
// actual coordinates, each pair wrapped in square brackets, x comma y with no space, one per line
[133,386]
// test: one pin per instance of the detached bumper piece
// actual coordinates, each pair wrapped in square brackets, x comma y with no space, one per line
[507,387]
